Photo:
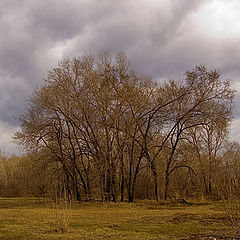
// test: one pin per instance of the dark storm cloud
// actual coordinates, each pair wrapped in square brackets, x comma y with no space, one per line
[31,29]
[163,38]
[145,33]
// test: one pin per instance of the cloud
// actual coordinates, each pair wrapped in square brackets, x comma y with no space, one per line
[235,130]
[13,97]
[163,38]
[6,142]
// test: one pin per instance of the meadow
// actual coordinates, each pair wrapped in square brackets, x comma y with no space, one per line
[37,218]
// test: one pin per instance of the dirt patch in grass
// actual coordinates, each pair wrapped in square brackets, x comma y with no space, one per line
[203,220]
[210,237]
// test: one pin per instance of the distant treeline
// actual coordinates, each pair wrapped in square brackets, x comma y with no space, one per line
[96,129]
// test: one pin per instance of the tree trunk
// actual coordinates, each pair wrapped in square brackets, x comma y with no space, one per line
[130,195]
[78,196]
[155,181]
[122,188]
[166,185]
[156,189]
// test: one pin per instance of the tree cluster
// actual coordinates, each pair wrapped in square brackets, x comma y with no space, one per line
[101,130]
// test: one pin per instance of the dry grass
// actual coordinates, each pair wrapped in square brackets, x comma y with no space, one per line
[62,215]
[232,213]
[28,218]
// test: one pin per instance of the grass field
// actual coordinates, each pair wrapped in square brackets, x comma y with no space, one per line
[32,218]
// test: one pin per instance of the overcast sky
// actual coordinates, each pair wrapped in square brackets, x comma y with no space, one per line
[163,38]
